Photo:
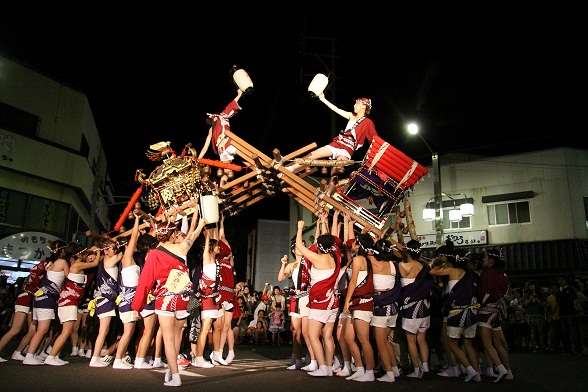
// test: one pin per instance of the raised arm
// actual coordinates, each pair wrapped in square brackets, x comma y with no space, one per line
[221,229]
[193,231]
[206,144]
[340,112]
[93,263]
[127,258]
[324,222]
[335,224]
[285,269]
[239,94]
[265,286]
[346,219]
[350,226]
[310,255]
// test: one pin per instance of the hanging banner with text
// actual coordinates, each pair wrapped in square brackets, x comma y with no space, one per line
[28,245]
[459,238]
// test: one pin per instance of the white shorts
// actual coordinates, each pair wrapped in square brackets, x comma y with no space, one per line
[363,315]
[486,325]
[43,314]
[147,312]
[302,305]
[67,313]
[22,309]
[416,325]
[228,154]
[384,321]
[228,306]
[323,316]
[343,315]
[338,152]
[128,317]
[179,314]
[212,314]
[458,332]
[112,313]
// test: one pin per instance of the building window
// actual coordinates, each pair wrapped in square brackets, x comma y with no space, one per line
[84,147]
[509,213]
[586,211]
[464,224]
[18,121]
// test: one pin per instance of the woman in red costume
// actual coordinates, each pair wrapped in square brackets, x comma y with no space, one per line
[210,296]
[166,268]
[359,130]
[359,303]
[221,143]
[222,333]
[323,302]
[70,296]
[24,302]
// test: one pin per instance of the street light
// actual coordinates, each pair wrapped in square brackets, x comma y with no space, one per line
[413,129]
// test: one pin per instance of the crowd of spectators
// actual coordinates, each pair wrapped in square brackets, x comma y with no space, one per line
[550,317]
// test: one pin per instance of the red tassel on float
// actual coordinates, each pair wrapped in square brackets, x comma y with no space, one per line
[222,165]
[128,209]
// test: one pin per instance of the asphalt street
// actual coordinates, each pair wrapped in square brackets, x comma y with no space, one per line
[264,368]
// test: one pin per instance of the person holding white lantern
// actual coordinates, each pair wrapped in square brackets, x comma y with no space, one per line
[359,128]
[219,124]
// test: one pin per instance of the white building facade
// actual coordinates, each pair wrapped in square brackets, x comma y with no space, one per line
[53,171]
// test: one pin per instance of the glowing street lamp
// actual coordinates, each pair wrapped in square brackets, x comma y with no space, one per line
[413,129]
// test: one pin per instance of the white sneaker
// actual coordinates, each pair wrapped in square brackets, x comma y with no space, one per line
[217,359]
[32,360]
[121,364]
[55,361]
[101,362]
[174,381]
[230,357]
[3,360]
[81,353]
[89,354]
[127,359]
[199,362]
[107,359]
[17,356]
[158,363]
[43,356]
[143,365]
[74,351]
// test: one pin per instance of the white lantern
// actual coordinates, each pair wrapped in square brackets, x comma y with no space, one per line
[242,80]
[209,208]
[429,214]
[467,209]
[454,215]
[318,85]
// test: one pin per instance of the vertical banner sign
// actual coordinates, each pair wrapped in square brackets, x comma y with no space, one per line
[47,214]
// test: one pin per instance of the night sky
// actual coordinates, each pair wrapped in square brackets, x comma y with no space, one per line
[507,77]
